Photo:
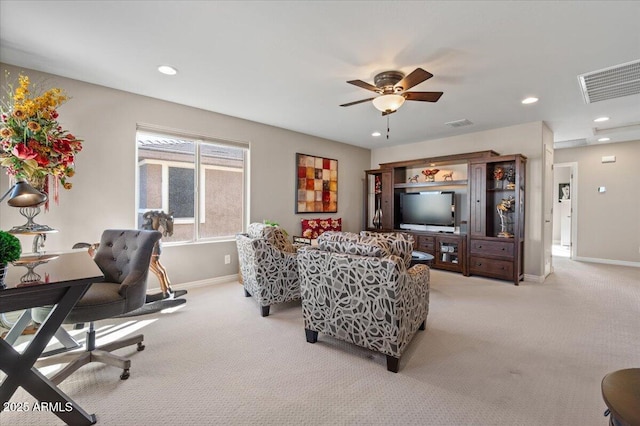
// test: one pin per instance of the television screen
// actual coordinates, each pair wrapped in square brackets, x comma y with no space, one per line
[428,208]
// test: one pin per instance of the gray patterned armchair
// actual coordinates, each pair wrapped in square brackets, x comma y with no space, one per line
[361,289]
[268,265]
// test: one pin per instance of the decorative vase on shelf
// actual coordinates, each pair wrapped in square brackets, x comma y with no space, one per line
[377,218]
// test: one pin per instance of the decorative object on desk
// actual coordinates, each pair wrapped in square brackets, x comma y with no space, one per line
[503,208]
[10,250]
[510,177]
[34,145]
[317,184]
[498,175]
[448,176]
[28,199]
[564,191]
[413,179]
[430,174]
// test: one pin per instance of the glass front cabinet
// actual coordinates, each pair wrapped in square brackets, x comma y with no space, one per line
[496,217]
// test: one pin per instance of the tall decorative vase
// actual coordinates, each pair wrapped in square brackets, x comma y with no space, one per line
[377,218]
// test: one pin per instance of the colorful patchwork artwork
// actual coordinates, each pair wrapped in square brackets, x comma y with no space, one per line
[317,184]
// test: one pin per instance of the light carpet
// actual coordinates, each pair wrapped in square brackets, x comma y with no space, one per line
[492,354]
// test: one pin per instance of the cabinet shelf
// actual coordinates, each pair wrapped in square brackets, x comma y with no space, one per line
[500,190]
[431,184]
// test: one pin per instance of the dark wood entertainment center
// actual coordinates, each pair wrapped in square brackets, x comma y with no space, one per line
[489,201]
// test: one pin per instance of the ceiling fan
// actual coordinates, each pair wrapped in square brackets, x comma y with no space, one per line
[392,87]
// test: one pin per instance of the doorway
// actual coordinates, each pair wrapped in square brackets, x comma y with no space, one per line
[564,212]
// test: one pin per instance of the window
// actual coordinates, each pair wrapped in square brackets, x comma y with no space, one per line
[202,182]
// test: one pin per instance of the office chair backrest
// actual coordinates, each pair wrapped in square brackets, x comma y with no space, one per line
[124,256]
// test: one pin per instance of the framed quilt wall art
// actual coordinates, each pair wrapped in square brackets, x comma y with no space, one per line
[317,184]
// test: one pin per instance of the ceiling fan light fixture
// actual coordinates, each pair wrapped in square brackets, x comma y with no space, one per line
[390,103]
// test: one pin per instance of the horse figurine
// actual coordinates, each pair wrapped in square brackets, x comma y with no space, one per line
[413,179]
[156,220]
[430,174]
[448,176]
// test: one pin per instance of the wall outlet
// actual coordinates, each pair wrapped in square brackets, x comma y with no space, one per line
[227,259]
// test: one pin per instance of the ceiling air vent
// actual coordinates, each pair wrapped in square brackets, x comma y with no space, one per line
[459,123]
[610,83]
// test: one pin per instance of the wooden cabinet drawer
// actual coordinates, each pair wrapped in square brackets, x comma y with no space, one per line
[491,267]
[492,248]
[426,243]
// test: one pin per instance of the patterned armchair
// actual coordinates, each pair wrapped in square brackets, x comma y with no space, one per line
[268,265]
[354,289]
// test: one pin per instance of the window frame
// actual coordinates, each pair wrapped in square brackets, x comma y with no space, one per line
[199,180]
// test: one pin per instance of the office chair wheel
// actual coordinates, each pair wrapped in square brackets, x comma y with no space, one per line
[140,347]
[125,374]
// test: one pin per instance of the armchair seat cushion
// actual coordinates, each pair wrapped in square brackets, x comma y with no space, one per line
[103,301]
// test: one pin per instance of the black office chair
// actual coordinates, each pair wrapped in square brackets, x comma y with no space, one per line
[123,256]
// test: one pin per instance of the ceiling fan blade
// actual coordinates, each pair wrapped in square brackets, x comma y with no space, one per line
[416,77]
[364,85]
[422,96]
[356,102]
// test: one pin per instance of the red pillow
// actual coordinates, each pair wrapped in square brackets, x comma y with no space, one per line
[312,228]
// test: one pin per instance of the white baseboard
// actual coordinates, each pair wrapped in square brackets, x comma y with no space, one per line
[201,283]
[533,278]
[608,261]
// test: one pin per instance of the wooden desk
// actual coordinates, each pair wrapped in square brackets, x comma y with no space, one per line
[63,281]
[621,394]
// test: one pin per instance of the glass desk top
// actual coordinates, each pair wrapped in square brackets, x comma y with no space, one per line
[33,270]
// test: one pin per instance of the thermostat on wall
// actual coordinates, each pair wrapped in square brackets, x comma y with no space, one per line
[602,189]
[609,159]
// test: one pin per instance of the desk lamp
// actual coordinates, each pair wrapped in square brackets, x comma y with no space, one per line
[29,200]
[24,195]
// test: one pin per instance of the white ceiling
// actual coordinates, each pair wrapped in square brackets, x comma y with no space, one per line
[286,63]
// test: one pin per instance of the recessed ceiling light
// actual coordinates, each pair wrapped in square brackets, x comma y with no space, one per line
[604,139]
[376,134]
[168,70]
[601,119]
[529,101]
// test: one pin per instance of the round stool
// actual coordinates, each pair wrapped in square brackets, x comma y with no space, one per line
[621,394]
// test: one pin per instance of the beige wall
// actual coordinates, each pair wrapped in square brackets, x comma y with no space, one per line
[609,222]
[527,139]
[103,195]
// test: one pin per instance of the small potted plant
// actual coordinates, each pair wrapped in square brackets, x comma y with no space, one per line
[10,250]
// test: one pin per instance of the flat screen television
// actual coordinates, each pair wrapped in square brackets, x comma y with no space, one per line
[428,208]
